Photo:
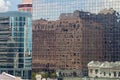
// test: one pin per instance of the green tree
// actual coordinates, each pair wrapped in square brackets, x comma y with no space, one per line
[45,75]
[33,76]
[53,75]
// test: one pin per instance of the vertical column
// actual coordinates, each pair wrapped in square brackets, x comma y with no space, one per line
[117,74]
[13,72]
[22,73]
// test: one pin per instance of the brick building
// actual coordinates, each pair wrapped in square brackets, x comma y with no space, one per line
[66,44]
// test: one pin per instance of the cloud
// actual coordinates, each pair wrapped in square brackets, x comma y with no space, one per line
[4,5]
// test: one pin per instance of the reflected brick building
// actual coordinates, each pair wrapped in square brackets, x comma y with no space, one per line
[66,44]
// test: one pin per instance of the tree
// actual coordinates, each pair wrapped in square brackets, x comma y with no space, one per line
[33,76]
[53,75]
[45,75]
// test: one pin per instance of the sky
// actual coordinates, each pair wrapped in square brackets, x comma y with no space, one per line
[9,5]
[51,9]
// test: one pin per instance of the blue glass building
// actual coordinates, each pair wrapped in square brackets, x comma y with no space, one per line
[16,43]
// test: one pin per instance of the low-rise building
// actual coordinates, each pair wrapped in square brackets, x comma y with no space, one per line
[39,77]
[5,76]
[104,69]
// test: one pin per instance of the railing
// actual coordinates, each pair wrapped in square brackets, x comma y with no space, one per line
[24,5]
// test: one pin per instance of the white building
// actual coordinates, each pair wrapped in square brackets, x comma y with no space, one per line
[39,77]
[104,69]
[5,76]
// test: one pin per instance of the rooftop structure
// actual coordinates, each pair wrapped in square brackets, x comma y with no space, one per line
[107,11]
[26,6]
[105,64]
[26,1]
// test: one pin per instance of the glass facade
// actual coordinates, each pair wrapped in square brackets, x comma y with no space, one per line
[16,43]
[67,35]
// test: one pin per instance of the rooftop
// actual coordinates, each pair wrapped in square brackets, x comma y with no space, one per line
[14,14]
[5,76]
[105,64]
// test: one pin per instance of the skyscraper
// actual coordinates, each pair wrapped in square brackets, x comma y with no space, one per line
[15,40]
[26,6]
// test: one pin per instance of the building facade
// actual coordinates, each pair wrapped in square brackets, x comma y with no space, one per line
[104,69]
[74,39]
[26,6]
[111,40]
[66,44]
[16,44]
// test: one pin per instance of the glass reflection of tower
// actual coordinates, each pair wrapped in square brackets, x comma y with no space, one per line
[15,40]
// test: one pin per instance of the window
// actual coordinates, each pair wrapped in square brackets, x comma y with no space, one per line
[109,74]
[91,70]
[104,74]
[96,71]
[119,74]
[114,74]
